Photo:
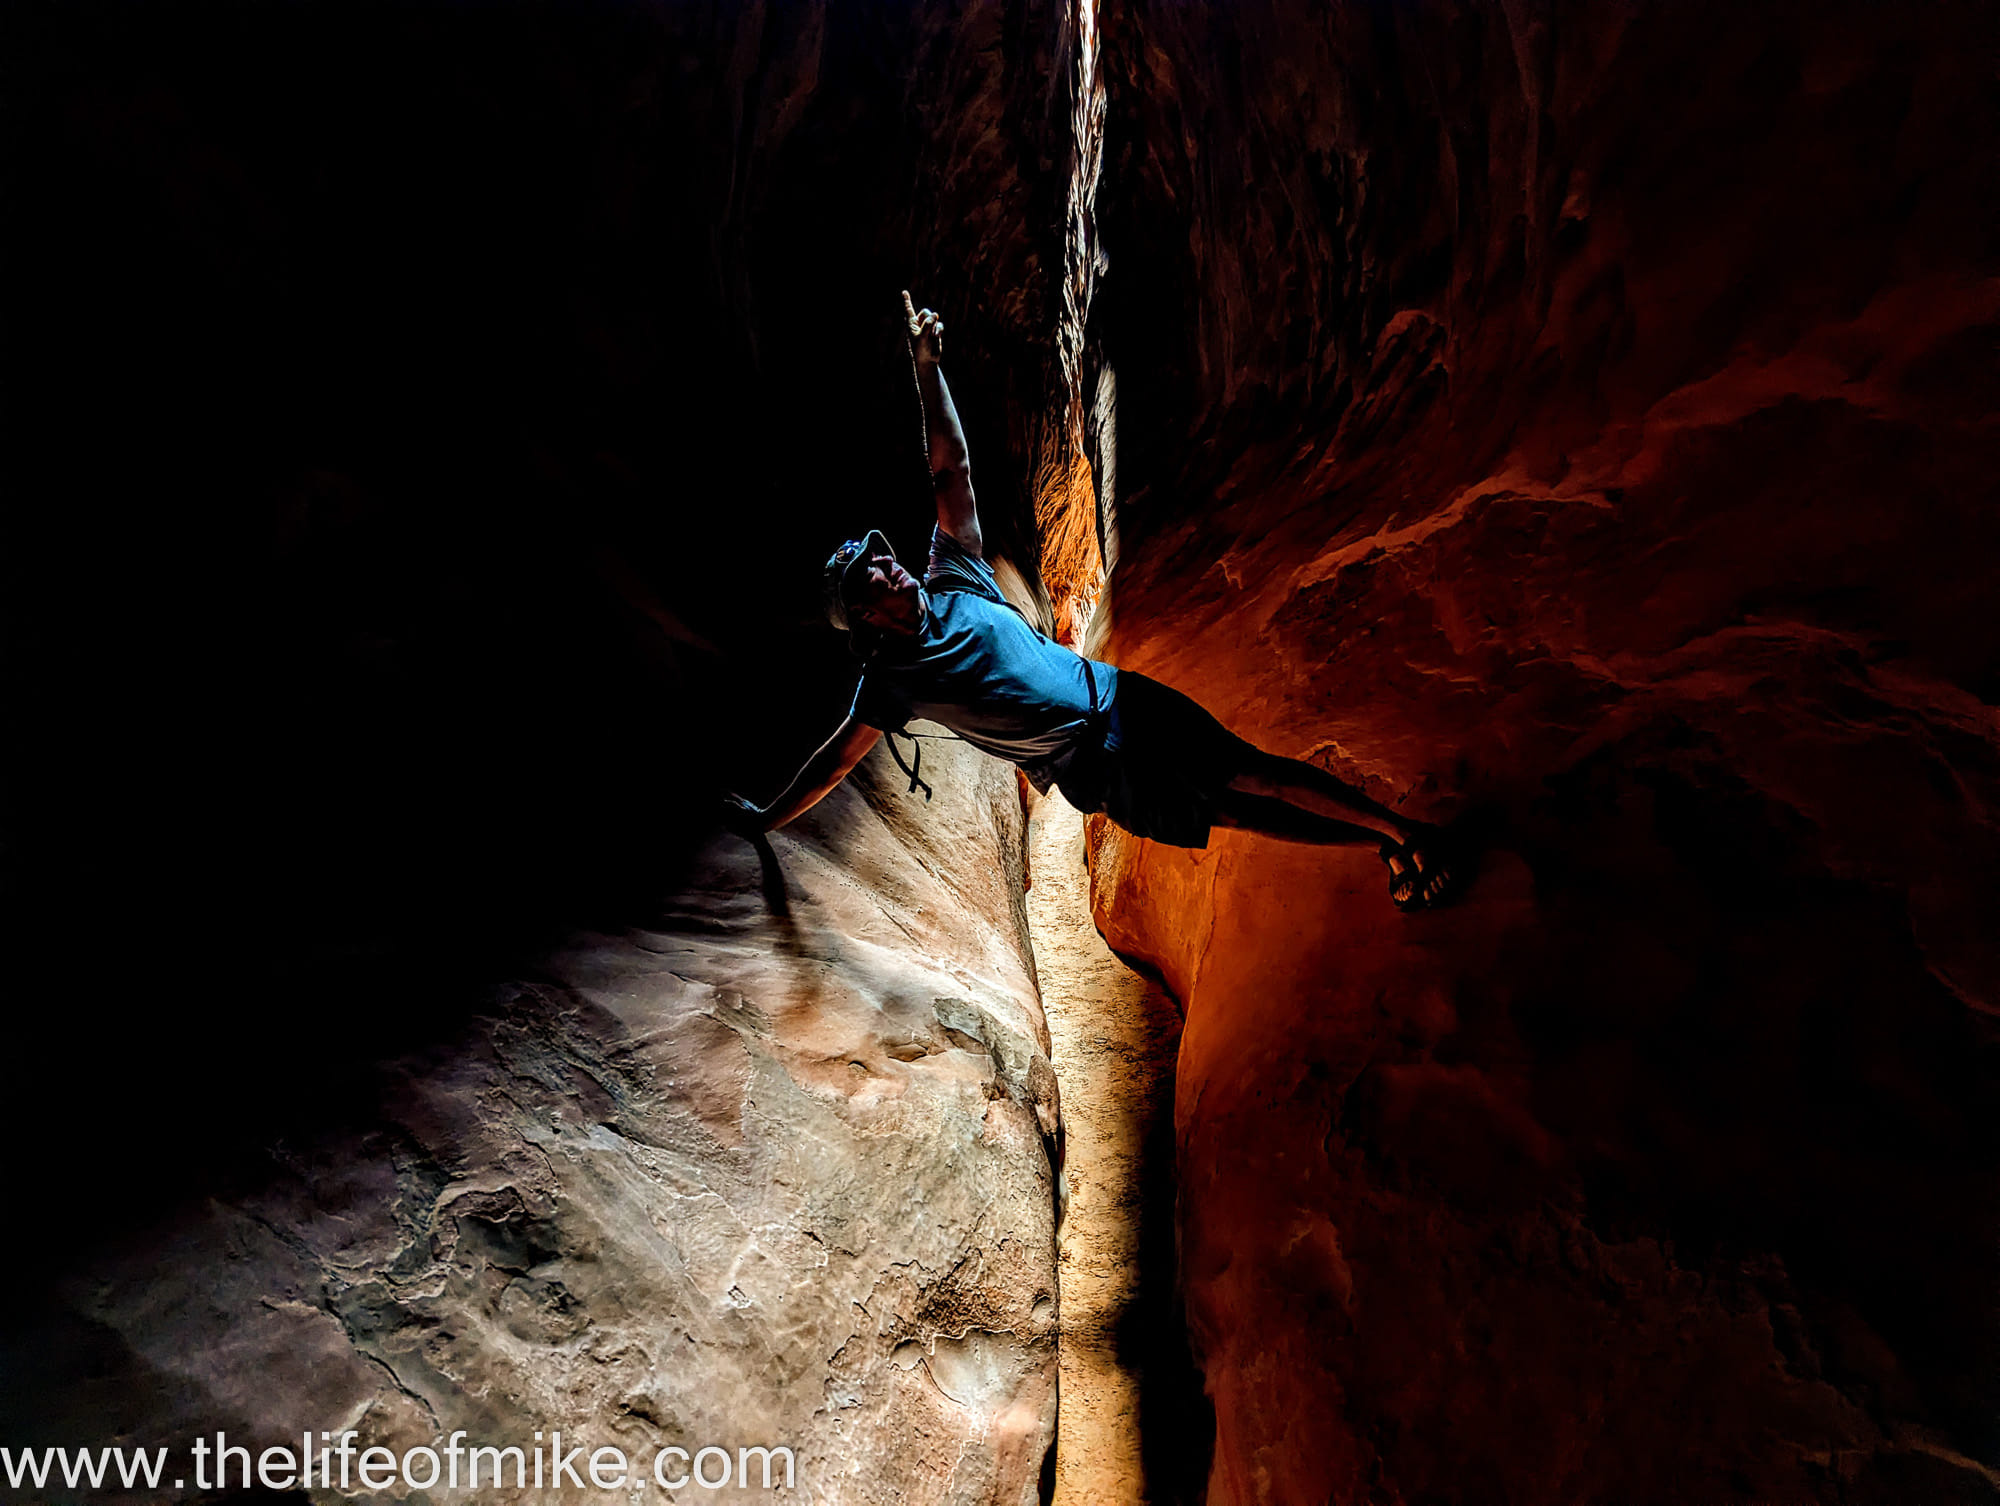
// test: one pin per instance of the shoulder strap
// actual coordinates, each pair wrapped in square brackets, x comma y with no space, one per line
[911,769]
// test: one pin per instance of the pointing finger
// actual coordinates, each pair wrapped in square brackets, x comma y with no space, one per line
[909,308]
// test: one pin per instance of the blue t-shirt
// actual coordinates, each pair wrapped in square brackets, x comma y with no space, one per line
[980,669]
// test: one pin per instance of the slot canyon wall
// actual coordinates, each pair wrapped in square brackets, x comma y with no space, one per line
[435,421]
[1572,420]
[1576,421]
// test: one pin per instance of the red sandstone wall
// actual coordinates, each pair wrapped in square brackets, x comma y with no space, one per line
[1578,420]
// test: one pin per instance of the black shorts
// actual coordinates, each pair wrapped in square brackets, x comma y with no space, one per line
[1161,764]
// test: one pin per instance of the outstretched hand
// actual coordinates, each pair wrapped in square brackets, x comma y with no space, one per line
[744,818]
[926,332]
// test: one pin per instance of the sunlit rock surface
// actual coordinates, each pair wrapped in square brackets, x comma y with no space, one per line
[1574,419]
[770,1169]
[1132,1428]
[438,418]
[1577,420]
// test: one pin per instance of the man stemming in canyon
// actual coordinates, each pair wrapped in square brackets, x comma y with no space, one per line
[952,649]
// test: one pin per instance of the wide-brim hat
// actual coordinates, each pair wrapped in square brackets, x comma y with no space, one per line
[842,564]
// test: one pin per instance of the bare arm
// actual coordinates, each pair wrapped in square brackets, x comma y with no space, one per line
[835,759]
[951,467]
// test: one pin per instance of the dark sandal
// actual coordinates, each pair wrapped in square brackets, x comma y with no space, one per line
[1403,884]
[1407,889]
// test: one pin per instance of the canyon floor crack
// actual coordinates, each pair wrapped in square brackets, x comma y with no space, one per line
[1125,1376]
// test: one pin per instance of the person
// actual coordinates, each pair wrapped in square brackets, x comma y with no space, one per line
[951,649]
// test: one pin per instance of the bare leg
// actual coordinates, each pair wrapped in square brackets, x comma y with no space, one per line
[1310,788]
[1295,801]
[1289,823]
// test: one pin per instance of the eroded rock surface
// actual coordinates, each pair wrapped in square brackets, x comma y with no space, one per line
[1131,1427]
[772,1168]
[1583,426]
[439,418]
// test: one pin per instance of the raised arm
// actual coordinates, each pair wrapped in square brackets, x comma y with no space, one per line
[951,469]
[835,759]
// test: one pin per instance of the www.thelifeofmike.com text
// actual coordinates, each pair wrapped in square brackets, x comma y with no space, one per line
[341,1461]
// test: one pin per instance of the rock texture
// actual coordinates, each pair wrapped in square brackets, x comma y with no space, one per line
[438,418]
[1131,1427]
[1577,420]
[771,1169]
